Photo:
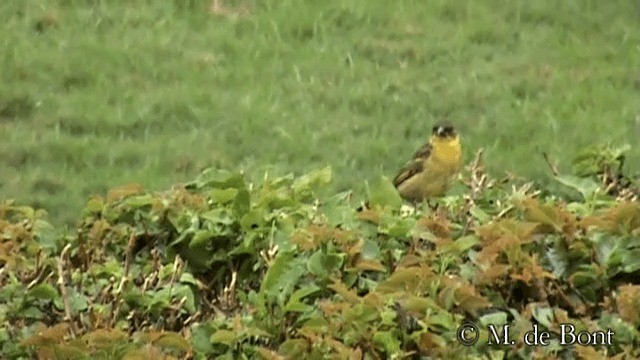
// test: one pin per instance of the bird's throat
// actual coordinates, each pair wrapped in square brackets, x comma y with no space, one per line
[447,151]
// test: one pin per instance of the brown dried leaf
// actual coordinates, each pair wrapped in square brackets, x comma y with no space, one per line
[439,227]
[532,272]
[147,352]
[370,265]
[625,214]
[464,295]
[329,307]
[173,340]
[552,218]
[589,353]
[269,354]
[341,289]
[373,299]
[409,260]
[316,235]
[104,336]
[124,191]
[51,335]
[628,303]
[369,215]
[521,230]
[493,273]
[304,240]
[412,280]
[354,249]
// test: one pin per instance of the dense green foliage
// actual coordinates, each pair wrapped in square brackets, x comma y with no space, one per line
[225,268]
[99,93]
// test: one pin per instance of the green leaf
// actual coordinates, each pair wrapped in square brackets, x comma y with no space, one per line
[135,202]
[316,323]
[242,203]
[399,227]
[79,302]
[199,253]
[479,214]
[201,338]
[631,261]
[370,250]
[223,196]
[275,272]
[295,304]
[173,340]
[387,341]
[45,233]
[544,315]
[201,238]
[322,265]
[44,292]
[381,192]
[224,337]
[217,216]
[185,292]
[293,348]
[281,277]
[94,205]
[604,246]
[465,243]
[558,259]
[188,278]
[252,219]
[497,318]
[26,211]
[314,178]
[217,178]
[585,186]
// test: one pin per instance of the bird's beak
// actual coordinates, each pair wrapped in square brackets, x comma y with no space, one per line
[440,131]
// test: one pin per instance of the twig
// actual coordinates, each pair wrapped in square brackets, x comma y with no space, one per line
[3,276]
[127,263]
[552,165]
[229,292]
[39,270]
[477,183]
[82,251]
[124,279]
[177,267]
[38,278]
[62,283]
[504,211]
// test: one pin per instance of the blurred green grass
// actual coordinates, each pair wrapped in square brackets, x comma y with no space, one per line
[96,94]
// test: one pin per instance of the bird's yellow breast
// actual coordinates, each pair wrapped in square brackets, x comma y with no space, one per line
[446,156]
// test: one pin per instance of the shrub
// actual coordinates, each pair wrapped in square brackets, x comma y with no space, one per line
[222,268]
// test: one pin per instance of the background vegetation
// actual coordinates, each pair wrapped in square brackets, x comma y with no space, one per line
[198,262]
[96,94]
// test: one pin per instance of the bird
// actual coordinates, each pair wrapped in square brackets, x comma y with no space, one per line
[433,167]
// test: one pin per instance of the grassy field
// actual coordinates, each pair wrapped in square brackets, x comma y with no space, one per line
[96,94]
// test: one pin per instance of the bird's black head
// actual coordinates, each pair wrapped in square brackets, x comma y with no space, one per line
[444,130]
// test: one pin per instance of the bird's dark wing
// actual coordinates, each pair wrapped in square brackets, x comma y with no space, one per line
[424,152]
[413,166]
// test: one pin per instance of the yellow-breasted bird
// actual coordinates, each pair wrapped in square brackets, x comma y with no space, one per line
[429,173]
